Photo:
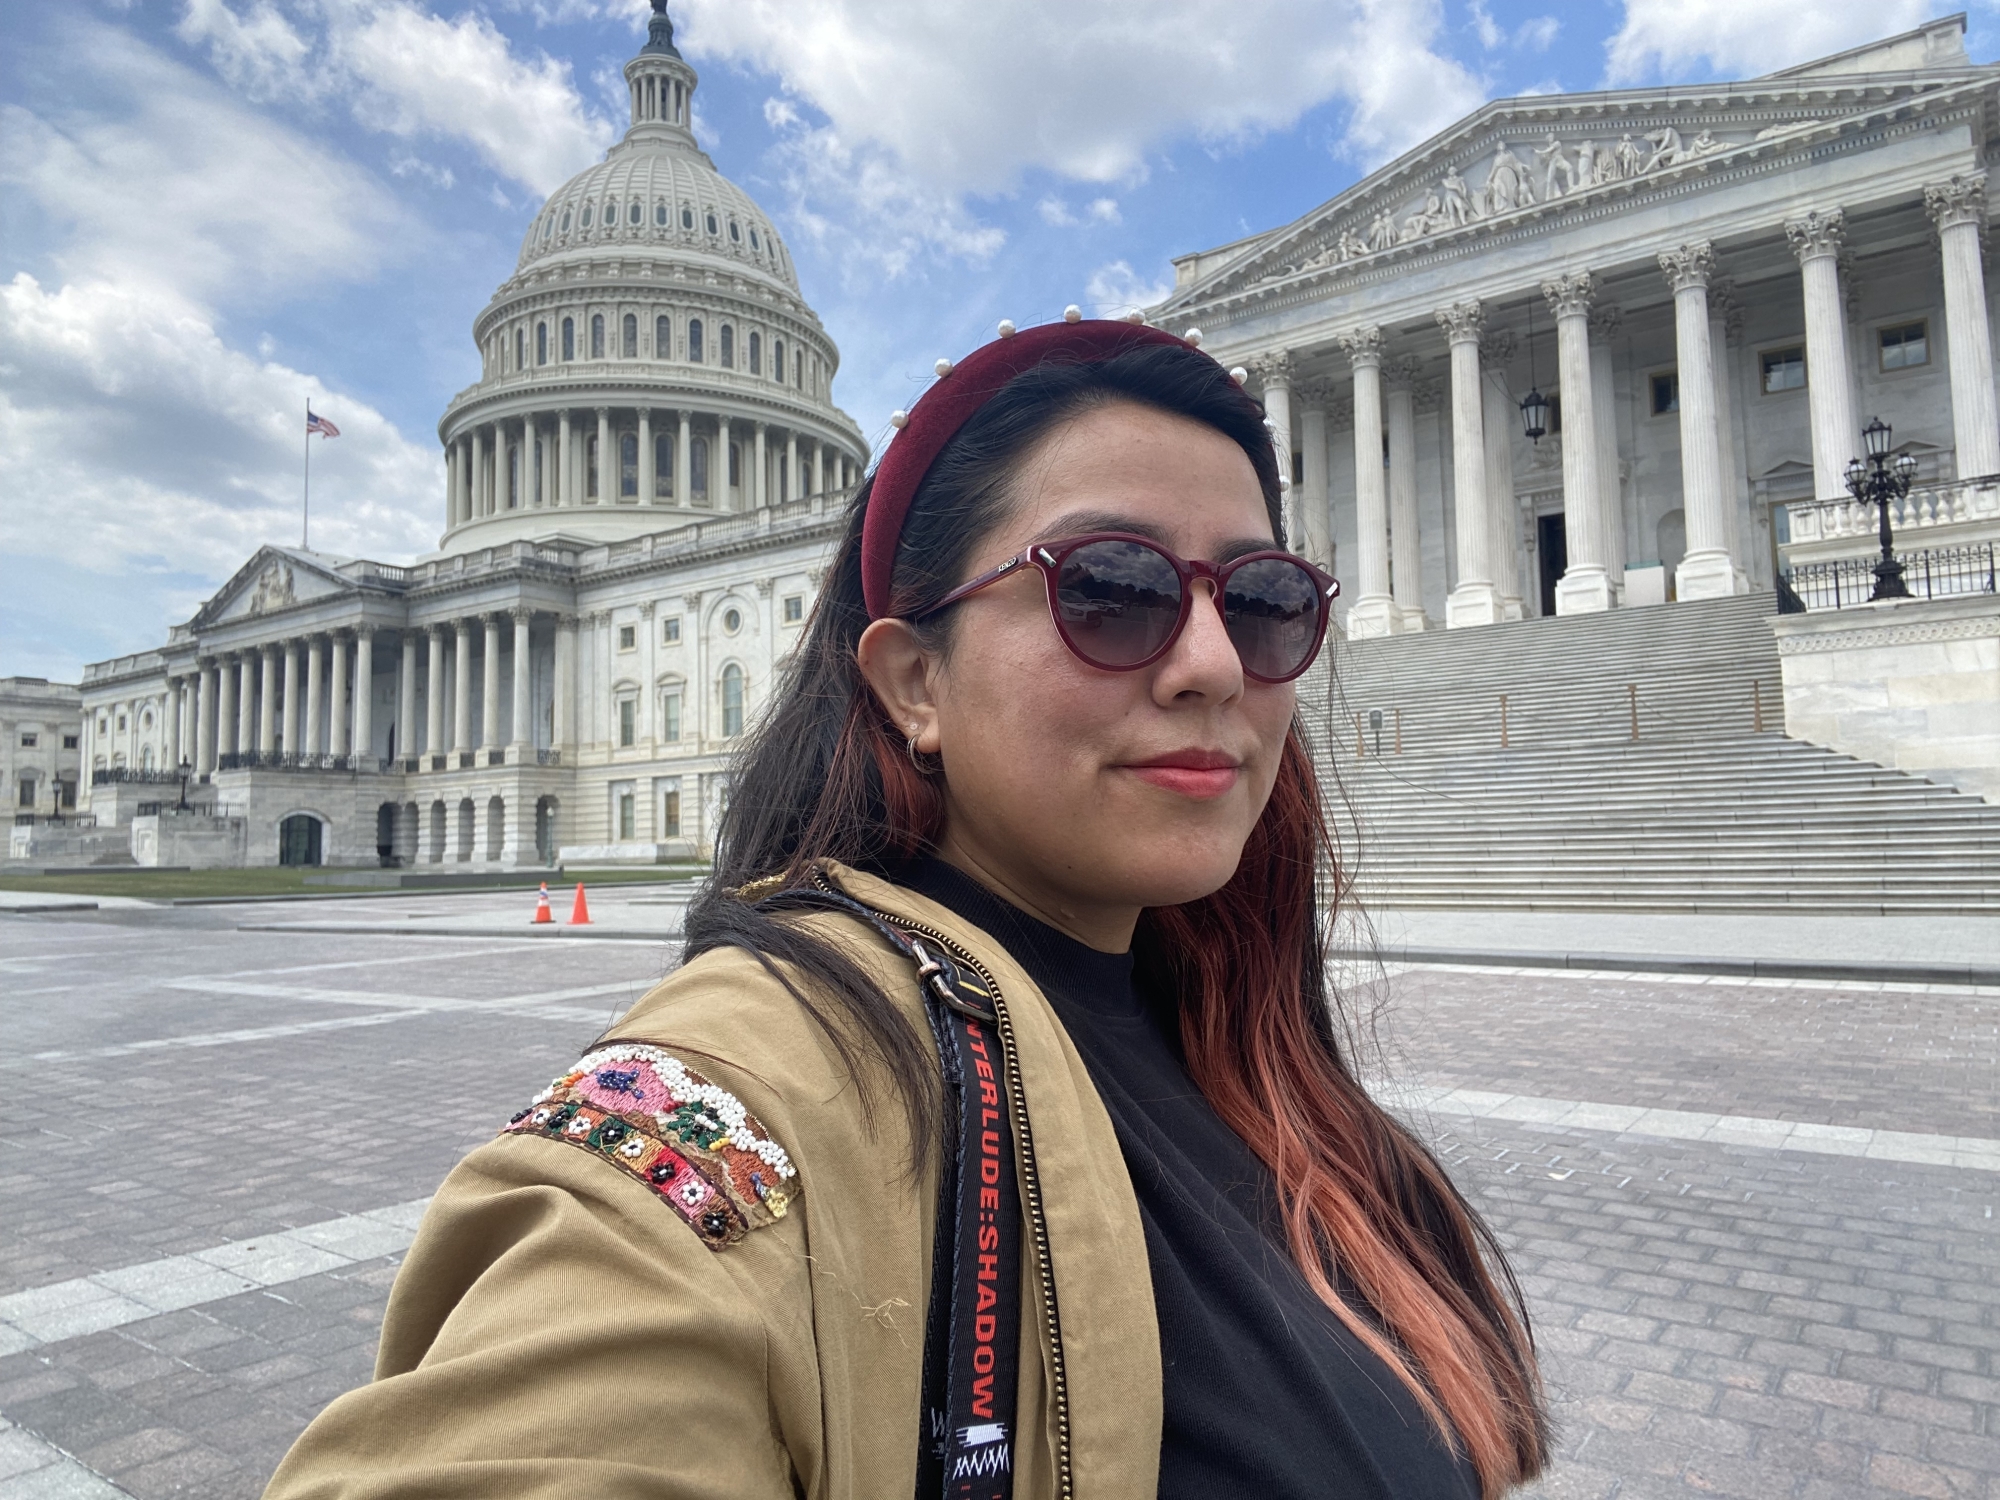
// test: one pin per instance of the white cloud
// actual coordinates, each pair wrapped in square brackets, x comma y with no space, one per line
[1745,38]
[134,439]
[1485,27]
[1539,34]
[404,164]
[1115,289]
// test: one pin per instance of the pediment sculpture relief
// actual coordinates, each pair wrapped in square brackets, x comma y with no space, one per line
[274,589]
[1515,177]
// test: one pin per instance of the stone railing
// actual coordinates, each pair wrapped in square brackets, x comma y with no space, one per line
[1949,502]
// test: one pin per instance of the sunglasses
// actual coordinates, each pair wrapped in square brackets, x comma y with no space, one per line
[1120,602]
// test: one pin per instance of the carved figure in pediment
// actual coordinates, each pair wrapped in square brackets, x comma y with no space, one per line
[1418,224]
[1630,157]
[1457,202]
[274,589]
[1352,245]
[1586,166]
[1667,148]
[1382,231]
[1507,183]
[1558,176]
[1704,144]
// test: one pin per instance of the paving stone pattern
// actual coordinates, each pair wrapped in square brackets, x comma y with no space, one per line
[1715,1319]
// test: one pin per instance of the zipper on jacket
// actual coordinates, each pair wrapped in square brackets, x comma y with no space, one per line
[1031,1182]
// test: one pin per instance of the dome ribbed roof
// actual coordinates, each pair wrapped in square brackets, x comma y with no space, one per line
[684,209]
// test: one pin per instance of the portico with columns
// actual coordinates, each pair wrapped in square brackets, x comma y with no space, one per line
[1713,289]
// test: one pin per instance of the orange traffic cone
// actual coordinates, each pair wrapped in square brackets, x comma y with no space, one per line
[542,912]
[579,914]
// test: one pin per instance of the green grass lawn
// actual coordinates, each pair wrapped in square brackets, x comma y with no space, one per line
[169,884]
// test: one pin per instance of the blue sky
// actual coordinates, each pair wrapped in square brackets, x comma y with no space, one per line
[213,209]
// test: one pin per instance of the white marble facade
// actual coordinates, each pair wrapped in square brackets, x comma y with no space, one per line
[1715,286]
[641,491]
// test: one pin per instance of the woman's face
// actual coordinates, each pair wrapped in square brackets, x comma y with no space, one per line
[1086,795]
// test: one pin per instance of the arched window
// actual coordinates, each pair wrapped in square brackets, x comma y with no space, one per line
[597,335]
[798,369]
[711,223]
[694,340]
[736,231]
[635,214]
[663,464]
[732,701]
[610,213]
[728,347]
[687,217]
[663,338]
[520,348]
[585,220]
[756,353]
[569,338]
[541,343]
[698,467]
[755,244]
[735,465]
[628,466]
[778,360]
[631,338]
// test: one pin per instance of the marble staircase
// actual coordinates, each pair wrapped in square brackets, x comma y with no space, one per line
[1702,810]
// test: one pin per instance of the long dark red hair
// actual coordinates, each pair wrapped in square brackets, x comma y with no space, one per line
[1374,1224]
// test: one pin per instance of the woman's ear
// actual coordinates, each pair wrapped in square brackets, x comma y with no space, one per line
[902,674]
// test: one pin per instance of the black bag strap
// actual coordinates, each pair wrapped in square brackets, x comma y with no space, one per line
[972,1330]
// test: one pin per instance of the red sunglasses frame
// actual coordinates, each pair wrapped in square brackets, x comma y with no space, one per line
[1049,557]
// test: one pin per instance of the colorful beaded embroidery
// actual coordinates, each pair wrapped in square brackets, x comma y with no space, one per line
[658,1120]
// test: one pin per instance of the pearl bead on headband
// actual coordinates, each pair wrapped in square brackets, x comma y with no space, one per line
[962,388]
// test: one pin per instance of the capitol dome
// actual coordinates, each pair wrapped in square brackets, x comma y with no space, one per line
[650,352]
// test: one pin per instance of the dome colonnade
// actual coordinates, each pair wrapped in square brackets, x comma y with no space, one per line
[651,350]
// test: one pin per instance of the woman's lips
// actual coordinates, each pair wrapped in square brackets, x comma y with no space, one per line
[1200,774]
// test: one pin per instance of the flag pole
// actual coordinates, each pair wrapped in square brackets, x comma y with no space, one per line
[305,491]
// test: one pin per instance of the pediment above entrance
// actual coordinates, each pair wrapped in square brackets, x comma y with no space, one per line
[1523,159]
[275,579]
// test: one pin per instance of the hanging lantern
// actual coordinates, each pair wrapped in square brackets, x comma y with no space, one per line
[1535,415]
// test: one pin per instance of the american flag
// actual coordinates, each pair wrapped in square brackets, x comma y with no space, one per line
[319,425]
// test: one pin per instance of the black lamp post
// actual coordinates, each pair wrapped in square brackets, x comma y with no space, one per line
[186,770]
[1880,483]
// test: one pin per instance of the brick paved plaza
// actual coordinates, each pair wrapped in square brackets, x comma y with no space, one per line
[217,1140]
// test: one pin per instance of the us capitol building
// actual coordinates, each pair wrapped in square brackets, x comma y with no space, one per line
[1711,288]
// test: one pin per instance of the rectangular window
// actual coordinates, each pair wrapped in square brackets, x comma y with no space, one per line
[121,723]
[1783,369]
[1904,346]
[69,742]
[670,816]
[29,741]
[626,820]
[628,637]
[670,716]
[670,631]
[1666,394]
[795,608]
[628,722]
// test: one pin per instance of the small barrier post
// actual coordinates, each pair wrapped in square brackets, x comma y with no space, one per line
[1632,698]
[1503,721]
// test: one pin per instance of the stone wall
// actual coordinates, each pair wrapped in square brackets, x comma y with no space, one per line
[1913,684]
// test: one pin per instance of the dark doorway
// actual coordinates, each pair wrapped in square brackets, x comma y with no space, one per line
[385,835]
[298,840]
[1552,547]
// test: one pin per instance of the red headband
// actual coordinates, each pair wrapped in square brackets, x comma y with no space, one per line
[947,406]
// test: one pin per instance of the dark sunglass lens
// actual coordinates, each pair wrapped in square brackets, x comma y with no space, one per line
[1117,602]
[1271,609]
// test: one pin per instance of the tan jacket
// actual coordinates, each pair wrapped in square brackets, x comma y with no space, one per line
[559,1329]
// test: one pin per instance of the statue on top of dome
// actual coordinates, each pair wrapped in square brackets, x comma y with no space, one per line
[660,31]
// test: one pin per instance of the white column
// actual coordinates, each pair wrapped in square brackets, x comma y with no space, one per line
[1725,330]
[478,495]
[1816,240]
[406,699]
[1498,427]
[434,693]
[1475,601]
[336,692]
[1585,587]
[1958,208]
[267,702]
[364,695]
[229,678]
[647,477]
[246,703]
[450,485]
[819,467]
[314,744]
[1606,320]
[1706,571]
[522,726]
[489,694]
[1406,555]
[291,720]
[718,468]
[759,495]
[1274,374]
[684,462]
[793,488]
[607,463]
[1315,531]
[1374,611]
[461,668]
[565,474]
[562,726]
[205,722]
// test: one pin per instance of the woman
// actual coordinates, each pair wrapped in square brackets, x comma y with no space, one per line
[1030,814]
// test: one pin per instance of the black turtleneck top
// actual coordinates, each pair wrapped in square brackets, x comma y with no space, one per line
[1266,1391]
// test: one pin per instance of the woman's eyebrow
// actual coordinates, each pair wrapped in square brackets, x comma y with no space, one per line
[1079,522]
